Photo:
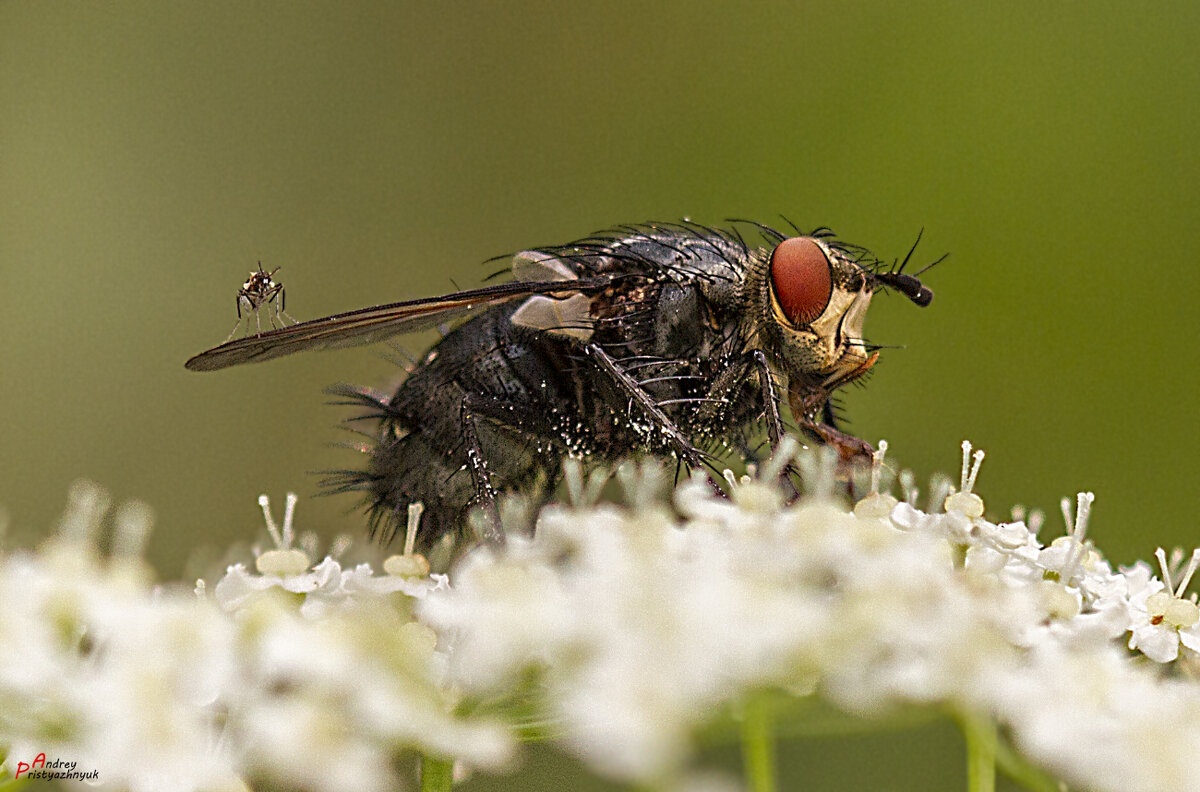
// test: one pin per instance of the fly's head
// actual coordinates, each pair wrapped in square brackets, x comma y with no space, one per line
[809,299]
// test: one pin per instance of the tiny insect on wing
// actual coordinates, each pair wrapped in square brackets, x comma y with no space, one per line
[368,325]
[261,289]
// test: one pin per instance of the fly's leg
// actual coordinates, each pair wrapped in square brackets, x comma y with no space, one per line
[530,439]
[814,415]
[770,394]
[730,380]
[812,411]
[485,494]
[850,449]
[529,420]
[693,457]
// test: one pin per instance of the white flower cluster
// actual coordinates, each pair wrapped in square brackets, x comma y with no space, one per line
[639,622]
[301,678]
[621,629]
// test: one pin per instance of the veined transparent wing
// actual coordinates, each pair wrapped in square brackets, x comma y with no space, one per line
[368,325]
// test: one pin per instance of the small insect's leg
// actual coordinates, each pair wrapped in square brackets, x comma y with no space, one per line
[272,309]
[233,332]
[688,453]
[282,309]
[485,494]
[272,301]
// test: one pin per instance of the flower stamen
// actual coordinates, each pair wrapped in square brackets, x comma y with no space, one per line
[284,560]
[410,564]
[1076,533]
[965,501]
[876,504]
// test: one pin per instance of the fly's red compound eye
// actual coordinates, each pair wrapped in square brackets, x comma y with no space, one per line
[801,278]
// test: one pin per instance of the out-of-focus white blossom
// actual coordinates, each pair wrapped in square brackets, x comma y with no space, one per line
[619,629]
[638,624]
[1101,720]
[305,678]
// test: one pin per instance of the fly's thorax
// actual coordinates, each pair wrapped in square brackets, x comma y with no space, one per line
[806,302]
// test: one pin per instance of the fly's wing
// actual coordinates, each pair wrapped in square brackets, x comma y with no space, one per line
[368,325]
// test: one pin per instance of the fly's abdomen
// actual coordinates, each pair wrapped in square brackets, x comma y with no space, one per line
[509,383]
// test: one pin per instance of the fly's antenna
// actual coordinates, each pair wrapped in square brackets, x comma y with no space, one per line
[910,285]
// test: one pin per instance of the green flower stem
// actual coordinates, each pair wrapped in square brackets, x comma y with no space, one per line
[980,733]
[437,775]
[7,782]
[758,744]
[1016,767]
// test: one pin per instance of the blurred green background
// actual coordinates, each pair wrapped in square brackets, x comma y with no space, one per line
[151,153]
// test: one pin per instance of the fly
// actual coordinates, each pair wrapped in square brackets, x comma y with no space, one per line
[665,338]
